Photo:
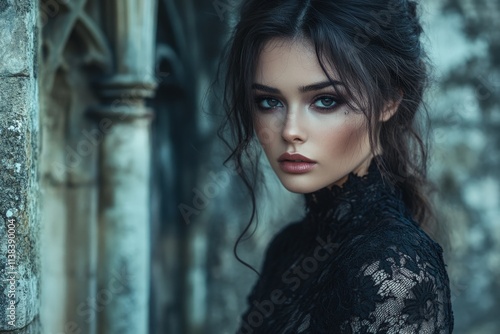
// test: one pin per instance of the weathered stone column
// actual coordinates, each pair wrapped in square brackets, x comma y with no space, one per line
[124,205]
[19,217]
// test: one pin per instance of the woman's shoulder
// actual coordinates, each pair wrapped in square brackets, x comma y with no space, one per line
[402,232]
[393,276]
[392,245]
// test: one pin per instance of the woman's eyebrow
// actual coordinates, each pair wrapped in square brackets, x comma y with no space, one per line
[265,88]
[303,89]
[320,85]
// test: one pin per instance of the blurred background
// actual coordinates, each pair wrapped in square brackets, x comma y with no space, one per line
[125,218]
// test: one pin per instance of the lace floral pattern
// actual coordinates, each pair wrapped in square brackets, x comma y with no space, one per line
[356,263]
[398,295]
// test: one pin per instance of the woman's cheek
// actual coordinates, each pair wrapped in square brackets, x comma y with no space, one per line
[354,139]
[266,129]
[343,139]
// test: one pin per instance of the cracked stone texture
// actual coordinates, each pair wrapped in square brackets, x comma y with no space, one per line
[18,157]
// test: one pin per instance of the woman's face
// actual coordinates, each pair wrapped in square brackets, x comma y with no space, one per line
[298,111]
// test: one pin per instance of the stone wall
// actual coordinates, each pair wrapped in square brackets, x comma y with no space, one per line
[19,223]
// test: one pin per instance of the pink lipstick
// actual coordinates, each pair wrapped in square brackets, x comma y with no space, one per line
[295,163]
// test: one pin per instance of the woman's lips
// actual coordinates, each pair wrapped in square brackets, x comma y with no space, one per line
[295,163]
[295,167]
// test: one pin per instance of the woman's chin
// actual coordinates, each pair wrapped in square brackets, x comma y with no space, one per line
[299,187]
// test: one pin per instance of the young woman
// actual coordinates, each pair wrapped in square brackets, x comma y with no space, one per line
[331,89]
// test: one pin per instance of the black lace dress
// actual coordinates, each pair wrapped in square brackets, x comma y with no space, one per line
[356,263]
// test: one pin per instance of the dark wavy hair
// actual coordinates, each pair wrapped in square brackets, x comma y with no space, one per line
[374,47]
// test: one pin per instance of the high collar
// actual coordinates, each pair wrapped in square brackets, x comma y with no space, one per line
[357,197]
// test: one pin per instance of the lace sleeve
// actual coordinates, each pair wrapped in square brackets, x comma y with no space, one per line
[404,291]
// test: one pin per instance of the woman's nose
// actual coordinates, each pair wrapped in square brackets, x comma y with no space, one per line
[294,129]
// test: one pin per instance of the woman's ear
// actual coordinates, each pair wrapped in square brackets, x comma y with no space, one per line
[390,109]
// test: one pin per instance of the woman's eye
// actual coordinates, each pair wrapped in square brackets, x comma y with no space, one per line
[325,102]
[268,103]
